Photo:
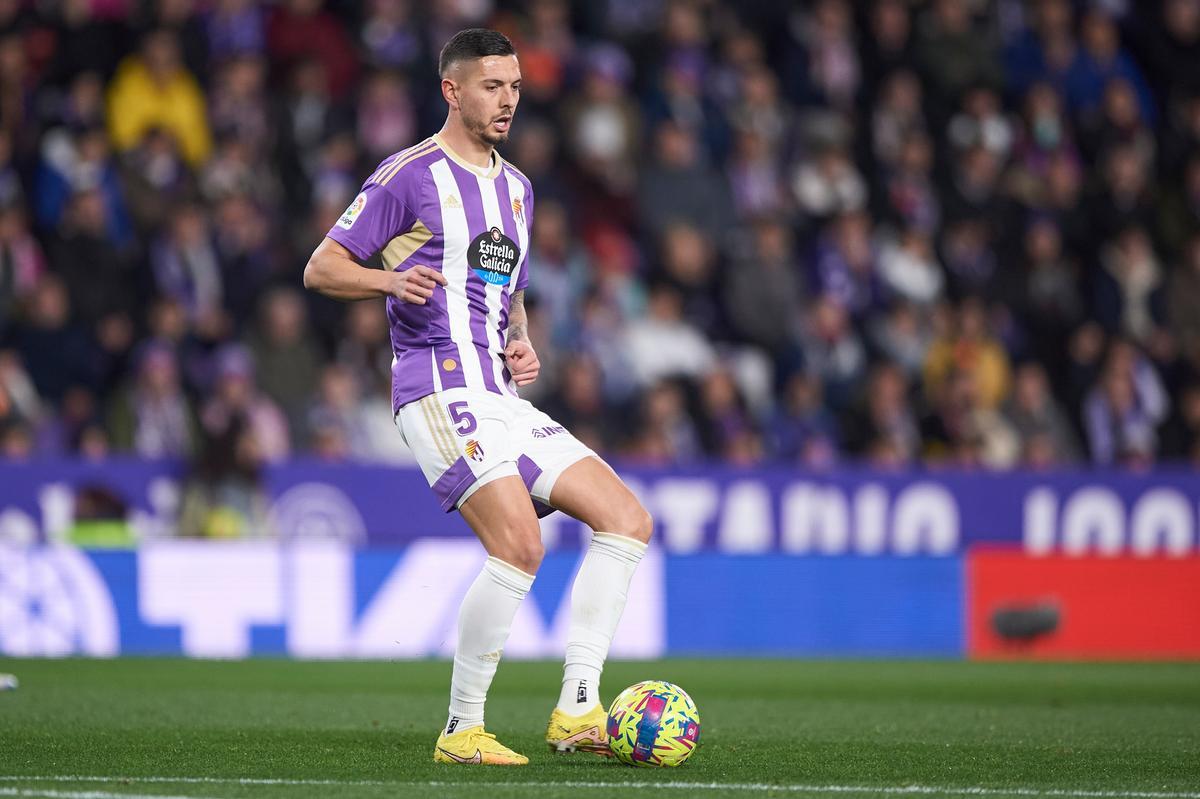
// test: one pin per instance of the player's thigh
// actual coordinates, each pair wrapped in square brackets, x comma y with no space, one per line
[501,514]
[460,442]
[593,493]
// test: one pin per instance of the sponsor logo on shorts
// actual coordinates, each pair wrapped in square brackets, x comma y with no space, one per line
[546,432]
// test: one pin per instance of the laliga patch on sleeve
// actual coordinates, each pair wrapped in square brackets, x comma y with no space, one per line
[347,219]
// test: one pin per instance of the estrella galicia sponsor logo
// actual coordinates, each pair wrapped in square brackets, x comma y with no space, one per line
[546,432]
[494,257]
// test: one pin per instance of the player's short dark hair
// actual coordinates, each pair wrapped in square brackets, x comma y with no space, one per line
[471,44]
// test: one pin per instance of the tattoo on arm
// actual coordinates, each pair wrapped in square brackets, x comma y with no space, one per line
[518,323]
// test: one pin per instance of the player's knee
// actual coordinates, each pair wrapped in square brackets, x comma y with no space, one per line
[525,551]
[529,557]
[644,528]
[636,522]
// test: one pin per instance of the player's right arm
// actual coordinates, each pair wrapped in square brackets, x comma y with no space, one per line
[333,271]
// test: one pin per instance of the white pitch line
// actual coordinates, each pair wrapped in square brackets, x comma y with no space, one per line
[680,785]
[42,793]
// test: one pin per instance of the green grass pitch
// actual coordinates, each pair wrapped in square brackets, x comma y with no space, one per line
[272,728]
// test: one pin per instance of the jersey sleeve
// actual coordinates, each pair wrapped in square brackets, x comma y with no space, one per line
[374,218]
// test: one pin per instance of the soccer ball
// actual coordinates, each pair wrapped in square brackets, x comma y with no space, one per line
[653,723]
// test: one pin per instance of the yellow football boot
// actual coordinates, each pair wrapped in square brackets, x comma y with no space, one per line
[474,746]
[584,733]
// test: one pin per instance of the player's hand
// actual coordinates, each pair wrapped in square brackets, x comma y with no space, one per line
[416,284]
[522,362]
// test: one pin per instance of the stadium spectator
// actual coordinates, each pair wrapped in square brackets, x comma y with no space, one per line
[763,291]
[286,359]
[345,424]
[678,186]
[954,52]
[389,37]
[240,419]
[238,105]
[896,114]
[832,350]
[151,416]
[387,120]
[969,348]
[666,432]
[365,349]
[1046,434]
[235,28]
[664,343]
[727,429]
[902,336]
[1124,409]
[579,405]
[186,266]
[75,161]
[84,42]
[1128,287]
[300,29]
[56,351]
[801,431]
[1183,300]
[846,265]
[20,405]
[156,180]
[1044,288]
[561,266]
[1099,60]
[1180,214]
[908,268]
[153,89]
[883,420]
[22,263]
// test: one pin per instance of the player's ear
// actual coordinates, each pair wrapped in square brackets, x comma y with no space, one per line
[450,93]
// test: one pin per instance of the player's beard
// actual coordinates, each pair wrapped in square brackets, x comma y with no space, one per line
[481,126]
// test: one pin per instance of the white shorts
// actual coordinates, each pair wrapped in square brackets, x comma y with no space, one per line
[464,439]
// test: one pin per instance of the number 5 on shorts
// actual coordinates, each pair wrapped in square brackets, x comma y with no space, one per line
[462,417]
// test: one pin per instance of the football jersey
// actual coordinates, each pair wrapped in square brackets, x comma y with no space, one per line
[426,206]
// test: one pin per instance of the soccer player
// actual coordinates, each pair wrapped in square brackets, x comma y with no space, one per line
[453,221]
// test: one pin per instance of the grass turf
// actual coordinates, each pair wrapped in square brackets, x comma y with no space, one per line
[367,729]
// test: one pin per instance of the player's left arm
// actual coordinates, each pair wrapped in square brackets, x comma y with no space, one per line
[519,354]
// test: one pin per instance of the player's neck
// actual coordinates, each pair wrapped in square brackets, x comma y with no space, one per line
[467,147]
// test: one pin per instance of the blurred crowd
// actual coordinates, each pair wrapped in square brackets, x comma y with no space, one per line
[952,232]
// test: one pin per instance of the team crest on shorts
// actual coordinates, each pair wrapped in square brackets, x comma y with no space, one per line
[475,451]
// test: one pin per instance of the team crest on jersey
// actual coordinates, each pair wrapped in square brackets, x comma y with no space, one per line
[475,451]
[494,257]
[347,219]
[518,209]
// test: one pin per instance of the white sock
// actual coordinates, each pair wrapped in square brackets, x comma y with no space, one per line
[483,623]
[597,600]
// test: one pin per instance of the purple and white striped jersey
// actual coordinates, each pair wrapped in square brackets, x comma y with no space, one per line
[426,206]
